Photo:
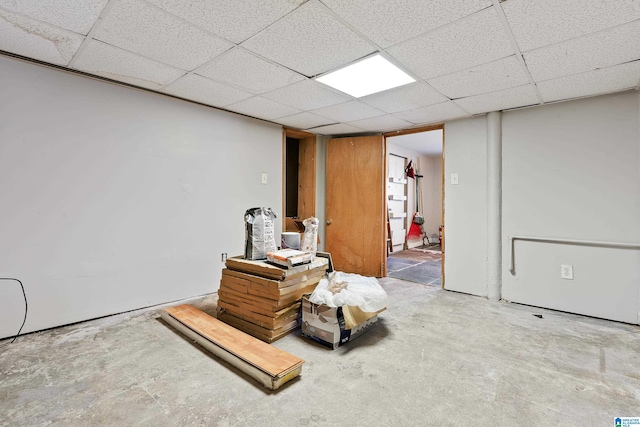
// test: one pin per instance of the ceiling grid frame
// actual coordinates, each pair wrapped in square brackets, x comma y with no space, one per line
[489,80]
[91,32]
[507,28]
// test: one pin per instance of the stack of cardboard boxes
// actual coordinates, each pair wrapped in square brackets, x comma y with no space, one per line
[263,300]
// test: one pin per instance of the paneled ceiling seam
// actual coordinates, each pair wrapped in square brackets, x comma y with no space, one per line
[346,24]
[81,73]
[507,28]
[31,18]
[386,54]
[604,30]
[274,22]
[455,21]
[209,62]
[75,71]
[590,71]
[184,21]
[91,32]
[141,56]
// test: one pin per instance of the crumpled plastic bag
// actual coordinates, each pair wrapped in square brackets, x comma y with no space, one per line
[350,289]
[310,237]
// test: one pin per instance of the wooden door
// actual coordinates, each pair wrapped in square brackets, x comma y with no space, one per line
[355,205]
[307,177]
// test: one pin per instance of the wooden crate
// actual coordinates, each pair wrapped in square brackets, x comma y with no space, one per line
[263,300]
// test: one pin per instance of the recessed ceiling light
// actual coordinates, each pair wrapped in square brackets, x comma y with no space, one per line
[371,75]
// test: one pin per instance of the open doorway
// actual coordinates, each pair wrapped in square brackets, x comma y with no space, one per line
[415,225]
[299,163]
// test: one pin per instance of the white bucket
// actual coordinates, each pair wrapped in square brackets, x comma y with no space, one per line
[290,240]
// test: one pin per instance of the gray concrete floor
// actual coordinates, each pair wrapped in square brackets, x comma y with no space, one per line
[437,358]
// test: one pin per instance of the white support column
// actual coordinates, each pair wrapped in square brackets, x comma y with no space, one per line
[494,206]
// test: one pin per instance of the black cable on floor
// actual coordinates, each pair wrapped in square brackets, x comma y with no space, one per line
[26,306]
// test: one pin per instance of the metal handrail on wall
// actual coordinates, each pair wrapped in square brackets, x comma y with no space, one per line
[617,245]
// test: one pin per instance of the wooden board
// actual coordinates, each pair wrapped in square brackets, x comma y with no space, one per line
[262,320]
[268,365]
[269,271]
[307,177]
[264,334]
[356,215]
[263,305]
[266,288]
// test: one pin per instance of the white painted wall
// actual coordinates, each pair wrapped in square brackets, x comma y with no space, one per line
[431,168]
[572,170]
[115,199]
[465,206]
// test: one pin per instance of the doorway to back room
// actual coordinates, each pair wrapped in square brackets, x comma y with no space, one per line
[414,196]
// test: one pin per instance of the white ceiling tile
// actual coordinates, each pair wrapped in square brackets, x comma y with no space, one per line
[246,71]
[502,100]
[262,108]
[501,74]
[433,113]
[337,129]
[37,40]
[376,124]
[310,41]
[543,22]
[390,22]
[235,20]
[73,15]
[349,111]
[599,50]
[307,95]
[605,80]
[151,32]
[117,64]
[405,97]
[303,120]
[471,41]
[205,91]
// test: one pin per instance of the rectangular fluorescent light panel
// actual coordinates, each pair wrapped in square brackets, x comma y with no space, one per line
[371,75]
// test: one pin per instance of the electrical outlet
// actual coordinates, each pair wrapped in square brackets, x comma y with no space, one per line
[224,256]
[454,179]
[566,271]
[264,178]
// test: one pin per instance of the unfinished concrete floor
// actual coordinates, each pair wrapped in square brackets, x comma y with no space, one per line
[437,358]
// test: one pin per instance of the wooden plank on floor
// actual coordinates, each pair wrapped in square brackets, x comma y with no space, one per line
[263,362]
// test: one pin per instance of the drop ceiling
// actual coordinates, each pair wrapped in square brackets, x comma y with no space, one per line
[258,58]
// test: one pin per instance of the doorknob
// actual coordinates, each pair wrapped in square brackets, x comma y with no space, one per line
[329,221]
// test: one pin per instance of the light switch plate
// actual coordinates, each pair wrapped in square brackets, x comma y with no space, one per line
[264,178]
[454,179]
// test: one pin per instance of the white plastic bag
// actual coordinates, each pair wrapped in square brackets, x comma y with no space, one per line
[310,237]
[350,289]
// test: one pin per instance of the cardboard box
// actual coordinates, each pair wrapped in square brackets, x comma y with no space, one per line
[333,327]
